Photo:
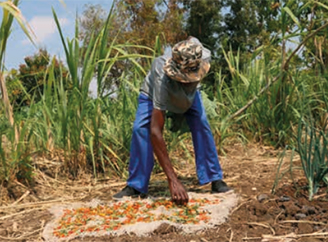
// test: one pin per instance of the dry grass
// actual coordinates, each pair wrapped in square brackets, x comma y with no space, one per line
[50,188]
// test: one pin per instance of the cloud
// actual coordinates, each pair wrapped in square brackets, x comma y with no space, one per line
[44,27]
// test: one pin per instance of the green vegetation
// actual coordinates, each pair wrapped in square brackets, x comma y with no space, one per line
[313,153]
[27,83]
[259,87]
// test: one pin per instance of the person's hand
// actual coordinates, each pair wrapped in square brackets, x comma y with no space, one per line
[178,192]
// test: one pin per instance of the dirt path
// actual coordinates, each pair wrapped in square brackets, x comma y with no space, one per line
[260,216]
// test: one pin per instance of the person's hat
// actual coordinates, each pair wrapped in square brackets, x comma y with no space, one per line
[187,64]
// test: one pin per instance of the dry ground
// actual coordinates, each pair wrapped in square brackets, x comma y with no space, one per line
[260,216]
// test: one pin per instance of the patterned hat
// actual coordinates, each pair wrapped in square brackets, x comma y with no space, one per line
[186,64]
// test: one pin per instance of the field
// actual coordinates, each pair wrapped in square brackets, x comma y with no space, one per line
[251,171]
[265,99]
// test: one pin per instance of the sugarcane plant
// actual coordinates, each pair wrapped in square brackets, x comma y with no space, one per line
[86,123]
[10,13]
[12,152]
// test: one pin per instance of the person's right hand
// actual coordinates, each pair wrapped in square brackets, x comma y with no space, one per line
[178,192]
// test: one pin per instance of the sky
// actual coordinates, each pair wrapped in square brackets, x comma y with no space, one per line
[38,14]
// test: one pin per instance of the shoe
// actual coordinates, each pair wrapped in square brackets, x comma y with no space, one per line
[220,186]
[128,192]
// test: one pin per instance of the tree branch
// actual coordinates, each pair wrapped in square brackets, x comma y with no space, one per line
[164,1]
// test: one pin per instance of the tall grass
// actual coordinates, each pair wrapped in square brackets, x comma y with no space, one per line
[94,134]
[77,121]
[269,119]
[12,141]
[85,132]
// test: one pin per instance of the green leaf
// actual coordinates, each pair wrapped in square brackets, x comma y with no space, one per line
[294,18]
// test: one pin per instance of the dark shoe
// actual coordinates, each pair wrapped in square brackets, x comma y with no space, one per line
[128,192]
[220,186]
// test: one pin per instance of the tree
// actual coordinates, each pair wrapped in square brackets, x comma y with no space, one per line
[204,21]
[92,20]
[28,81]
[139,22]
[247,25]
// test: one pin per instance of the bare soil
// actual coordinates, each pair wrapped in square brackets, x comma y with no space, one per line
[287,215]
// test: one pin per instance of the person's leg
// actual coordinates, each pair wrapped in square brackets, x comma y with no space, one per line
[141,152]
[207,160]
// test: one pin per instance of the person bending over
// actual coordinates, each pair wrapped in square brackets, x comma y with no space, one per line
[172,85]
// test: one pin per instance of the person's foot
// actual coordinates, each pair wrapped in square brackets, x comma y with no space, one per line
[220,186]
[128,192]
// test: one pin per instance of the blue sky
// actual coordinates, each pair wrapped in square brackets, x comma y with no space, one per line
[38,13]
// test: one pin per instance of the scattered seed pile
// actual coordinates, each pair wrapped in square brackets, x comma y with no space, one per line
[140,217]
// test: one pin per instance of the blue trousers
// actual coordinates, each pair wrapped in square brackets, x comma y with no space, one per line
[141,152]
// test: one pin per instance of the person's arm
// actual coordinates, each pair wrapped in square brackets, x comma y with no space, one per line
[178,192]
